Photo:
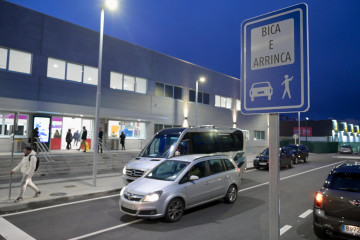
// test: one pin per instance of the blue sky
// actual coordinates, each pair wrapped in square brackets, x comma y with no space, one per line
[207,33]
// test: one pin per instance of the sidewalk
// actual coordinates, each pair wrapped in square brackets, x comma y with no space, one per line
[59,190]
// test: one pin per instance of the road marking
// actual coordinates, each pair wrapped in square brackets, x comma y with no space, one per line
[107,229]
[347,157]
[305,214]
[291,176]
[284,229]
[251,170]
[11,232]
[58,205]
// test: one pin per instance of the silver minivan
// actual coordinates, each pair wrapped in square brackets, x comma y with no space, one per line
[172,142]
[181,183]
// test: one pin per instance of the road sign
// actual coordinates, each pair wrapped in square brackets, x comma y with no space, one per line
[274,62]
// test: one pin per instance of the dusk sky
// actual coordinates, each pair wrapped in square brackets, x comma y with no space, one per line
[207,33]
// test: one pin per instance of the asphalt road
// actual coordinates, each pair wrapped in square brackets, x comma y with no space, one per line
[246,219]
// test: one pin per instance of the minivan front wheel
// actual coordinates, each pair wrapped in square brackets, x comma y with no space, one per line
[231,194]
[174,210]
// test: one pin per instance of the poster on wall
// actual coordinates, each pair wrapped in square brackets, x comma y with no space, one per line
[43,123]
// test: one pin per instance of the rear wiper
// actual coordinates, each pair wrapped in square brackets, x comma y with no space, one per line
[350,189]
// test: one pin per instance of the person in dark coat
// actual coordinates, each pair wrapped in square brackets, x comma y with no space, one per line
[68,139]
[83,139]
[101,134]
[122,140]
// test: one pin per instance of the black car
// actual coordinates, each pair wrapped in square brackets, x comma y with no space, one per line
[337,204]
[286,158]
[301,152]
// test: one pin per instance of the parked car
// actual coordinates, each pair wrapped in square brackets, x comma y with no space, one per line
[181,183]
[301,152]
[261,89]
[346,149]
[286,158]
[337,204]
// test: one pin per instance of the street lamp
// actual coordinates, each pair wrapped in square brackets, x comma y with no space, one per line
[306,119]
[202,79]
[111,5]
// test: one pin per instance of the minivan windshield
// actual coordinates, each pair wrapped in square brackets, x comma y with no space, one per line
[160,145]
[168,170]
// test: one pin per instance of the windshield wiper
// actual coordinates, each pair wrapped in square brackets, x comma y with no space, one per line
[350,189]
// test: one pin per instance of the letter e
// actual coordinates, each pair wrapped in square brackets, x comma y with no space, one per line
[271,44]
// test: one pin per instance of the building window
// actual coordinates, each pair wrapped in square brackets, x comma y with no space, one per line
[7,124]
[238,105]
[159,127]
[132,130]
[223,102]
[74,72]
[129,83]
[259,135]
[3,58]
[90,75]
[168,91]
[141,85]
[56,68]
[15,60]
[202,97]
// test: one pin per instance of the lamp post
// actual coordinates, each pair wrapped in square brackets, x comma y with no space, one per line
[306,119]
[109,4]
[202,79]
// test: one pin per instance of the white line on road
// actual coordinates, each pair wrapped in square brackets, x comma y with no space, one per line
[291,176]
[284,229]
[58,205]
[251,170]
[106,229]
[347,157]
[11,232]
[305,214]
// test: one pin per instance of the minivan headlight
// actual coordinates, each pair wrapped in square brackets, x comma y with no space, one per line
[124,170]
[152,197]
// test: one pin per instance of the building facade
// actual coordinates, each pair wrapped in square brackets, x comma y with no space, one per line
[49,75]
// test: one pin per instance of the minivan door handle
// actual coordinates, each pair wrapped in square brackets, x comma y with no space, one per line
[206,183]
[226,177]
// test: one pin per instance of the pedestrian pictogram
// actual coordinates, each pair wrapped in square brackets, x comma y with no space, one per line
[287,88]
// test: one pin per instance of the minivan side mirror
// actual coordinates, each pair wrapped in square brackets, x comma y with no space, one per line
[193,178]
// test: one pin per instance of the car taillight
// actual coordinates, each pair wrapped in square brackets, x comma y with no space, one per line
[319,198]
[239,171]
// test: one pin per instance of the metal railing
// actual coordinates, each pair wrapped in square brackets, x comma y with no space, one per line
[106,151]
[43,149]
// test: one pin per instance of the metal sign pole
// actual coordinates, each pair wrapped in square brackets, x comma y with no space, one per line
[299,130]
[12,138]
[274,178]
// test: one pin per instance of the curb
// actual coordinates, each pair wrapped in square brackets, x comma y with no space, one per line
[18,207]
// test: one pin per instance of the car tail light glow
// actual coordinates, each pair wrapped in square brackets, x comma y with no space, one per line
[319,198]
[239,170]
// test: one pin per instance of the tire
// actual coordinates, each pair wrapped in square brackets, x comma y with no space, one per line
[296,161]
[305,159]
[231,194]
[320,233]
[174,210]
[291,164]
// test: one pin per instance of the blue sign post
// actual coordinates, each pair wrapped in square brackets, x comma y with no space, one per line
[275,79]
[274,60]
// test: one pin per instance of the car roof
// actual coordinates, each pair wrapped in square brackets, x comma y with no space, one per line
[194,157]
[347,168]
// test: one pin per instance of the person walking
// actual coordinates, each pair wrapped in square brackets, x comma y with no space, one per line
[101,134]
[68,139]
[76,137]
[34,138]
[286,82]
[83,139]
[122,140]
[27,168]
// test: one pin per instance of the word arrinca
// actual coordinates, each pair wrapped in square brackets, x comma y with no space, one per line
[273,59]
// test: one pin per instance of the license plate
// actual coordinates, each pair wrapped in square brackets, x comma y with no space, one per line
[351,229]
[129,206]
[262,163]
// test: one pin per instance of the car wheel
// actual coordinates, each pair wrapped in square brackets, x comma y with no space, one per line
[305,159]
[231,194]
[174,210]
[291,164]
[320,233]
[296,161]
